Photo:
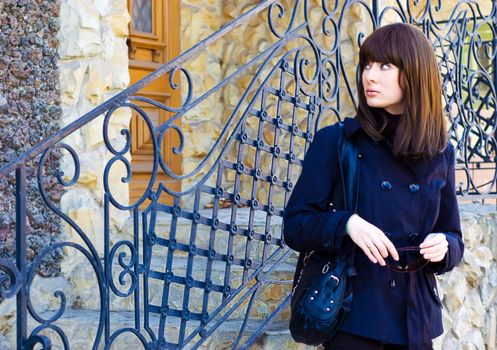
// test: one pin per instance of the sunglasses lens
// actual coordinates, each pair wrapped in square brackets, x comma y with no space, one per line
[409,260]
[393,264]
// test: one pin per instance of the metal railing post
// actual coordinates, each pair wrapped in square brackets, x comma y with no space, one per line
[22,302]
[375,9]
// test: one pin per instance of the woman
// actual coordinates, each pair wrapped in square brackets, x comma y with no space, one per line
[406,196]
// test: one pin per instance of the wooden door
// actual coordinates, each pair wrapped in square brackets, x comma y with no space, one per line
[153,40]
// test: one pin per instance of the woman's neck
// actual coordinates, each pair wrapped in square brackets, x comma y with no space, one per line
[394,110]
[390,115]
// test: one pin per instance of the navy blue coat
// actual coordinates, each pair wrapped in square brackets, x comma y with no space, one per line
[407,200]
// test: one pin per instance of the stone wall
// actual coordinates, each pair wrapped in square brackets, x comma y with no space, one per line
[30,112]
[93,68]
[469,291]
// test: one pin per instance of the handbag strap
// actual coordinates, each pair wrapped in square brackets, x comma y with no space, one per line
[348,166]
[345,193]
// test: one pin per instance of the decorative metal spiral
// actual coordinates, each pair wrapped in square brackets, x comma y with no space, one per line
[127,268]
[120,157]
[11,281]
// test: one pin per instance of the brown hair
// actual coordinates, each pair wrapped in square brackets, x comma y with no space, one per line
[421,130]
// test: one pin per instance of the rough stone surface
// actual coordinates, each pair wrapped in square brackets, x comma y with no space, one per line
[80,327]
[30,112]
[93,68]
[468,292]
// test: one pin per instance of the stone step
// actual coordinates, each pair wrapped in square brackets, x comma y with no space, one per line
[80,328]
[81,287]
[183,231]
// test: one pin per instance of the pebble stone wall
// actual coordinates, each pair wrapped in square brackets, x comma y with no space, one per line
[29,112]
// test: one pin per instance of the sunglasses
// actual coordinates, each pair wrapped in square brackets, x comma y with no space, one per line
[409,261]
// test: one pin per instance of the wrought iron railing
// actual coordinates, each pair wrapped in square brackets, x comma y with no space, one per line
[300,82]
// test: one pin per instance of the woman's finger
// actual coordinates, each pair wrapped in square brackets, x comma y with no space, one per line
[433,239]
[434,249]
[433,255]
[366,251]
[436,258]
[439,254]
[376,253]
[389,247]
[378,243]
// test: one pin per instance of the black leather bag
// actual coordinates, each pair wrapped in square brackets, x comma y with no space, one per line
[322,292]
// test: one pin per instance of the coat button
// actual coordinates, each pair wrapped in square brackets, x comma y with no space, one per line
[413,237]
[414,188]
[359,156]
[392,284]
[386,186]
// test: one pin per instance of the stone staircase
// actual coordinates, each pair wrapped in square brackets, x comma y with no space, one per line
[80,328]
[78,283]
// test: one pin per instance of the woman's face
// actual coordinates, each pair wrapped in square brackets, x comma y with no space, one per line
[381,87]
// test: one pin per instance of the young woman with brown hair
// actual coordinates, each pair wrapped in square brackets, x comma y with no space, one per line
[406,197]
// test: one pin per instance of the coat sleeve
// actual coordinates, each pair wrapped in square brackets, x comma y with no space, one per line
[309,224]
[448,221]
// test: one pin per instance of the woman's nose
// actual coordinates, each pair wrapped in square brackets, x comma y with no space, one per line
[371,75]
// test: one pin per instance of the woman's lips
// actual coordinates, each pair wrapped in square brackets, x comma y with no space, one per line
[371,92]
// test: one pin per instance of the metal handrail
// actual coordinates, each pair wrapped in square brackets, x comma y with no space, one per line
[125,94]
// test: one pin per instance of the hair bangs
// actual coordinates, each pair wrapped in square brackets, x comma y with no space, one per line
[381,47]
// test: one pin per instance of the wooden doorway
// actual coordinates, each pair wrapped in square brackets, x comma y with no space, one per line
[153,40]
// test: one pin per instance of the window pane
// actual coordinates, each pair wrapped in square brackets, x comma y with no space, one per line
[142,16]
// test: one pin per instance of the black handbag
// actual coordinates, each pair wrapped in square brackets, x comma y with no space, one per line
[322,291]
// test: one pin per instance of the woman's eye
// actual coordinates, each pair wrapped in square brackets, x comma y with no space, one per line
[382,66]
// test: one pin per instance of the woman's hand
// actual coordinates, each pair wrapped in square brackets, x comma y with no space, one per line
[434,247]
[370,239]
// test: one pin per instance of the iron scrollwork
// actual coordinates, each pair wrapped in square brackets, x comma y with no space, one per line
[10,280]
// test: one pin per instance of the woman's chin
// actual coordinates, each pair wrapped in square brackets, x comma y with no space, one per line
[376,104]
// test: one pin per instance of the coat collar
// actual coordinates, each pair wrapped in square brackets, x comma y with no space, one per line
[351,125]
[422,168]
